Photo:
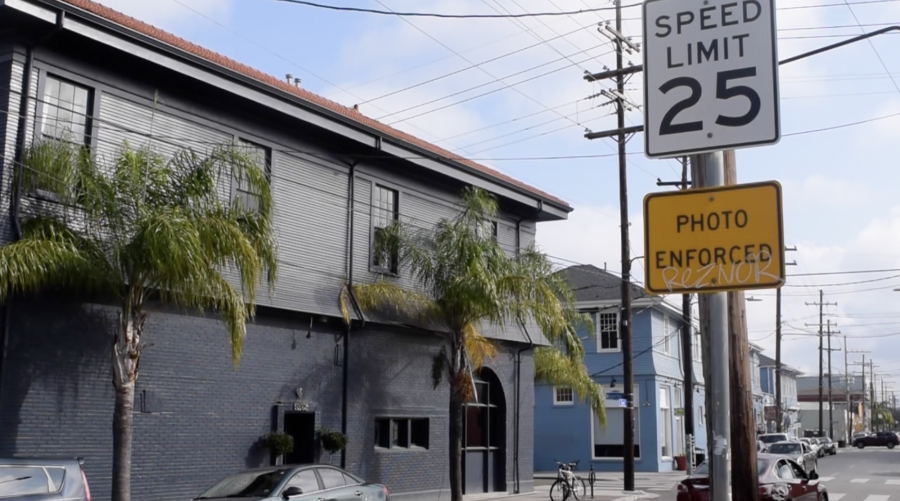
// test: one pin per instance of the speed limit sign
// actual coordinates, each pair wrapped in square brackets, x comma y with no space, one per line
[710,76]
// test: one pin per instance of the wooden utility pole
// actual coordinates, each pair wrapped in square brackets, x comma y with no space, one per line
[743,437]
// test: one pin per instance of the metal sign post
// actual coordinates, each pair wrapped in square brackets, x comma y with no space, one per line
[711,84]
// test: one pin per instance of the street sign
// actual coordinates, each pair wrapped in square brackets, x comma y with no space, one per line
[710,76]
[623,402]
[714,239]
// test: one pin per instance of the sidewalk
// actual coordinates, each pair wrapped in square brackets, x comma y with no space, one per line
[648,485]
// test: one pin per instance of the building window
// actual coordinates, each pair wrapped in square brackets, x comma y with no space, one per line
[698,347]
[401,433]
[665,417]
[241,192]
[607,331]
[562,395]
[488,228]
[608,441]
[679,424]
[66,109]
[702,415]
[385,212]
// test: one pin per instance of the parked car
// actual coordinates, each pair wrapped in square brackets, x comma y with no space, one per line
[887,439]
[828,446]
[799,452]
[771,438]
[812,445]
[47,479]
[761,446]
[780,478]
[295,483]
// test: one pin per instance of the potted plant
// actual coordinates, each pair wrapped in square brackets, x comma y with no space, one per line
[332,441]
[279,443]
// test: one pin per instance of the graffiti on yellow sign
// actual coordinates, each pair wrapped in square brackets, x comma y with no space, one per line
[714,239]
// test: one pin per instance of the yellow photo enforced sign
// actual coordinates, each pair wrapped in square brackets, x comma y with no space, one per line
[727,238]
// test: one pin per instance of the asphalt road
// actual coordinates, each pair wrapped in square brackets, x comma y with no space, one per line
[870,474]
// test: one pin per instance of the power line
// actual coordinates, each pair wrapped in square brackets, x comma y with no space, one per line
[845,283]
[853,272]
[467,68]
[450,16]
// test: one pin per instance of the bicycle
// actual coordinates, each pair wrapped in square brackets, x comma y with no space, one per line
[567,482]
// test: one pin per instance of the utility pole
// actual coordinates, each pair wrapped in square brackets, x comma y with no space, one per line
[872,392]
[862,390]
[830,399]
[849,433]
[820,304]
[779,405]
[621,135]
[688,355]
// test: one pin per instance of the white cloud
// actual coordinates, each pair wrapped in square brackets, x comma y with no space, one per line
[169,13]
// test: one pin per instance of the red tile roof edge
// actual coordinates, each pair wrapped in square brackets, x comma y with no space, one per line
[228,63]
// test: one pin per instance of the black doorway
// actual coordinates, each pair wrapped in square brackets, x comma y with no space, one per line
[301,426]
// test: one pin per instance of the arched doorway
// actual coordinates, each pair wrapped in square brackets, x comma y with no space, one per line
[484,436]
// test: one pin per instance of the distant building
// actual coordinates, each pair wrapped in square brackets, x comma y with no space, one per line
[568,430]
[789,404]
[842,388]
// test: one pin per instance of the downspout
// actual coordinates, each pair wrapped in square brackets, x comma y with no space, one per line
[519,374]
[345,366]
[19,172]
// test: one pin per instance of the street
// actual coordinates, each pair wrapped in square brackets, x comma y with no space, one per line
[871,474]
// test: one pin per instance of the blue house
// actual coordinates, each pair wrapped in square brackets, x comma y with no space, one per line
[759,399]
[568,430]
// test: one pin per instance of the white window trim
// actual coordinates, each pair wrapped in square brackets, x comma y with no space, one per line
[563,402]
[618,348]
[669,408]
[637,429]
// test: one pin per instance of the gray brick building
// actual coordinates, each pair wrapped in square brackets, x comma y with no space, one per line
[115,79]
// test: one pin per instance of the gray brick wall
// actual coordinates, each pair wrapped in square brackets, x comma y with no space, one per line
[57,397]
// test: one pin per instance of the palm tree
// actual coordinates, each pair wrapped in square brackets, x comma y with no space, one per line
[143,228]
[464,280]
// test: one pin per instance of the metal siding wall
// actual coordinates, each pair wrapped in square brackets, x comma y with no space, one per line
[123,121]
[9,104]
[666,365]
[311,224]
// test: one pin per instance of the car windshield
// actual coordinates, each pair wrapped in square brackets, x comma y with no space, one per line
[703,468]
[246,484]
[784,449]
[769,439]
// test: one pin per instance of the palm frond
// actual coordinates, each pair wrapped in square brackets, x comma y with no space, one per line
[387,296]
[554,368]
[47,257]
[477,346]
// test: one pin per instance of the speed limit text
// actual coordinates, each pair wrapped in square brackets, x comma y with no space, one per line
[712,48]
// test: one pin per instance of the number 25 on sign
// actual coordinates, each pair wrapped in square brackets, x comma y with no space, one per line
[710,76]
[714,239]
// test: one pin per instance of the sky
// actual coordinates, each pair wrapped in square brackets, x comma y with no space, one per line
[507,91]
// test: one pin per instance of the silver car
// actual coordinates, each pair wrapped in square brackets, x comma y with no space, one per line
[800,452]
[296,483]
[43,479]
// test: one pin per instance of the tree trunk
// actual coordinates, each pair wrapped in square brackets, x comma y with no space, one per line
[456,429]
[126,354]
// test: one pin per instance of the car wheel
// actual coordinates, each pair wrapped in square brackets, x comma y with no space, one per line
[890,445]
[860,445]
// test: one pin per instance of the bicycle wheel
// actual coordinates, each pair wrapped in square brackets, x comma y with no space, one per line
[559,491]
[579,488]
